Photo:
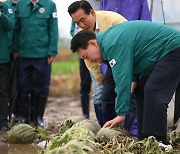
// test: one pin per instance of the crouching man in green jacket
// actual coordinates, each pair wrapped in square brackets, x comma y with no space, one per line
[6,25]
[135,49]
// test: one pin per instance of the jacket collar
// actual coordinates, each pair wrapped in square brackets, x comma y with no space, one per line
[11,3]
[1,4]
[99,37]
[41,2]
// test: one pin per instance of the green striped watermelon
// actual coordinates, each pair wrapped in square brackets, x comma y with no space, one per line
[88,124]
[21,133]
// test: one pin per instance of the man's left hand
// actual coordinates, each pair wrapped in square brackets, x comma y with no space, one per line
[50,59]
[113,122]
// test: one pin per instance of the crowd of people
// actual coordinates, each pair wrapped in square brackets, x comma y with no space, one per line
[29,43]
[133,65]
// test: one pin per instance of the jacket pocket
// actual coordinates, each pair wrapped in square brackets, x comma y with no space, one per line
[24,19]
[41,19]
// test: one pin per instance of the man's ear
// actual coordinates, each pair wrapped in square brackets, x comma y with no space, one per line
[92,12]
[93,42]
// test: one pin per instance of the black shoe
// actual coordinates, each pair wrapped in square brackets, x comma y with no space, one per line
[4,128]
[16,119]
[163,139]
[40,108]
[39,122]
[23,120]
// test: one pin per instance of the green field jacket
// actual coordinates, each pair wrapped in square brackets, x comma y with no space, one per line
[6,25]
[36,29]
[132,49]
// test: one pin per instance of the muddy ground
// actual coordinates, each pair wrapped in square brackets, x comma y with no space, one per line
[57,110]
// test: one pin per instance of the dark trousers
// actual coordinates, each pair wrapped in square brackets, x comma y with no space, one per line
[139,92]
[85,79]
[34,68]
[108,102]
[85,88]
[177,105]
[34,75]
[4,93]
[158,91]
[108,87]
[15,101]
[108,97]
[131,116]
[14,90]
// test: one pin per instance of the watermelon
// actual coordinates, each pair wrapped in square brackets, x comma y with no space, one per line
[76,119]
[68,123]
[107,133]
[76,147]
[21,133]
[88,124]
[71,134]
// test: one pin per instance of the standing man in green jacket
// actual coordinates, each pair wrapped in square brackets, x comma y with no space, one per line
[138,48]
[36,42]
[6,25]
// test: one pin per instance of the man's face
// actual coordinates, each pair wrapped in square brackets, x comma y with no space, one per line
[83,20]
[92,53]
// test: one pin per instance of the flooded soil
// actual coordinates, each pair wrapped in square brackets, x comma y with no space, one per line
[57,110]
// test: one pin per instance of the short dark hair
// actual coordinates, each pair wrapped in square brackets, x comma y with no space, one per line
[81,39]
[80,5]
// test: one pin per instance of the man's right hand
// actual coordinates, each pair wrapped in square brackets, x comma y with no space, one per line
[15,55]
[115,121]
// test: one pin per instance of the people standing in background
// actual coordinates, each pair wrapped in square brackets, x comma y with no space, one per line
[6,25]
[36,42]
[86,18]
[131,10]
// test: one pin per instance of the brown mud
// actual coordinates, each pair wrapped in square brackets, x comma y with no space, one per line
[57,110]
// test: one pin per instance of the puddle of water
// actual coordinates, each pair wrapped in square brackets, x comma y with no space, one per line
[18,149]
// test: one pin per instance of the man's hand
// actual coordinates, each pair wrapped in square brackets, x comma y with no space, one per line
[50,59]
[133,86]
[113,122]
[101,80]
[15,55]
